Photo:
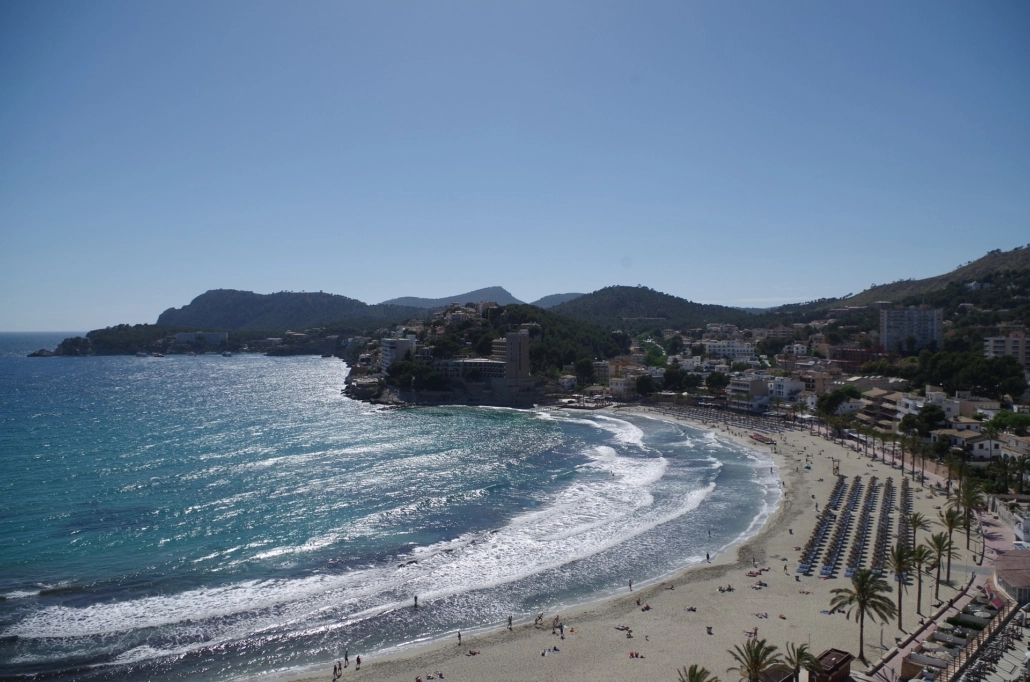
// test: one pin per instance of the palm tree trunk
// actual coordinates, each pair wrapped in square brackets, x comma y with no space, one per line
[901,583]
[861,636]
[937,583]
[919,590]
[948,578]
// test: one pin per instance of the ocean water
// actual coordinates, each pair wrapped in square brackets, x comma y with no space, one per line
[215,518]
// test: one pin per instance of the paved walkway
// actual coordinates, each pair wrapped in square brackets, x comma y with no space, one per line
[998,538]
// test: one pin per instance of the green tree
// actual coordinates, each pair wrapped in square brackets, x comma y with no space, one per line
[866,596]
[900,561]
[696,674]
[941,547]
[969,500]
[798,658]
[717,381]
[674,346]
[930,417]
[585,371]
[673,378]
[753,659]
[950,519]
[645,384]
[1018,424]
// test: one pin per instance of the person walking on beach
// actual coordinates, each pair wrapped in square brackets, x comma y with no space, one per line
[459,637]
[346,658]
[708,557]
[509,622]
[416,601]
[630,585]
[357,663]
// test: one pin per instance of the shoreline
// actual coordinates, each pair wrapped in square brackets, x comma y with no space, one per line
[790,607]
[396,663]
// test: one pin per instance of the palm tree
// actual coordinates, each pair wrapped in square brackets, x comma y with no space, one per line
[950,519]
[902,442]
[1022,466]
[753,659]
[867,595]
[917,522]
[923,454]
[799,658]
[969,500]
[940,546]
[900,561]
[955,470]
[921,554]
[696,674]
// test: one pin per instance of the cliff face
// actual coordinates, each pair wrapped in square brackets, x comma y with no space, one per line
[232,310]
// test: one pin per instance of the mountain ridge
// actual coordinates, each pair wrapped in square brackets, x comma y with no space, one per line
[498,295]
[236,310]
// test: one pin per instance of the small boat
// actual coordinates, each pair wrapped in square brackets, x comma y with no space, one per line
[157,355]
[141,354]
[226,354]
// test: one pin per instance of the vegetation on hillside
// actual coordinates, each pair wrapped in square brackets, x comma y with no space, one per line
[234,310]
[635,309]
[555,341]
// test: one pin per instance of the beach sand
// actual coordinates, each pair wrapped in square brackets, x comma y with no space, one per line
[668,636]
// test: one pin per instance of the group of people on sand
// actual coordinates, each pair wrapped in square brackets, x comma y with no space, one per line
[437,675]
[338,668]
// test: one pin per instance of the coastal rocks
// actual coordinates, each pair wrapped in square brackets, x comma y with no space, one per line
[42,353]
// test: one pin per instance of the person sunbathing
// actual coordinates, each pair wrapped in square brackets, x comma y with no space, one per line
[647,607]
[690,608]
[473,652]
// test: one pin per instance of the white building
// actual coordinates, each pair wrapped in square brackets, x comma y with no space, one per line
[786,388]
[392,350]
[567,382]
[734,350]
[622,387]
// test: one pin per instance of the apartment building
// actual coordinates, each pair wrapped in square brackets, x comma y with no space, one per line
[922,324]
[392,350]
[734,350]
[1015,344]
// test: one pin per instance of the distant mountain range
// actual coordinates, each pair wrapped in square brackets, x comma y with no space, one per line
[617,307]
[498,295]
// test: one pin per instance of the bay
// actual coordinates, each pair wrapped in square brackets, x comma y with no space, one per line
[211,518]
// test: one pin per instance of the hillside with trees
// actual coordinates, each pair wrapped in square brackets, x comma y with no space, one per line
[233,310]
[634,309]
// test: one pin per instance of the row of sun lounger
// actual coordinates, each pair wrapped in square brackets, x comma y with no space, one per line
[904,528]
[822,528]
[883,528]
[837,493]
[862,530]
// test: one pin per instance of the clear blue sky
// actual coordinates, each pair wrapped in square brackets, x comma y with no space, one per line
[747,153]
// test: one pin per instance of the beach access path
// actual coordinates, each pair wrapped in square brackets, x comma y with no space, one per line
[674,632]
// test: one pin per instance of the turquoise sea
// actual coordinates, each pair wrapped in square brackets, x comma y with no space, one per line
[212,518]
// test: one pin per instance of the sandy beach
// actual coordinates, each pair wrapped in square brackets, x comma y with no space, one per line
[668,635]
